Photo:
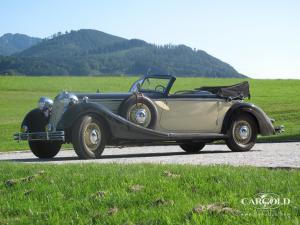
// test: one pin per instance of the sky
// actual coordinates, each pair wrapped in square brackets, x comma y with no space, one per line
[259,38]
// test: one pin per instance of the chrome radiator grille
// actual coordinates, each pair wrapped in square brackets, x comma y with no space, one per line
[56,114]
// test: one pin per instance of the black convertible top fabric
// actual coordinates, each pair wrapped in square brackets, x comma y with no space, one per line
[238,90]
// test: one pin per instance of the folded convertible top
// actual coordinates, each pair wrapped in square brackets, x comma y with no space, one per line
[240,90]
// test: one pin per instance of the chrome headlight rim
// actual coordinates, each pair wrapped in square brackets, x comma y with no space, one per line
[67,98]
[72,99]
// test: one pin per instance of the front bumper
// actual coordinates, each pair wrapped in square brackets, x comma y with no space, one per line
[40,136]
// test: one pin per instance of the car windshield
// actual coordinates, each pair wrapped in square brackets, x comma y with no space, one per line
[151,84]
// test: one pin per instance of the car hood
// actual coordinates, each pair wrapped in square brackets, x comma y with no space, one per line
[119,96]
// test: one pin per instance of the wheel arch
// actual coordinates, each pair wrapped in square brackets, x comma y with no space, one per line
[75,112]
[263,122]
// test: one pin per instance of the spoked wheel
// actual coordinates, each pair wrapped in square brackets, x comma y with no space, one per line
[192,147]
[242,133]
[89,137]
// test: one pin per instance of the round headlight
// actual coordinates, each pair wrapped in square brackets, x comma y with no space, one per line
[72,99]
[67,98]
[45,103]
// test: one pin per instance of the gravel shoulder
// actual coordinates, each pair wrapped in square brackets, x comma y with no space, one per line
[286,155]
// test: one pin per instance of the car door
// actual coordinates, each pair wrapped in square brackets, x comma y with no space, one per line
[190,114]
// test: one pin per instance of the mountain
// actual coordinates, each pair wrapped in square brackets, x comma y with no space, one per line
[91,52]
[13,43]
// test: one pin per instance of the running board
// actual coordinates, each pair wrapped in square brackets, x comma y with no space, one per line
[196,136]
[168,139]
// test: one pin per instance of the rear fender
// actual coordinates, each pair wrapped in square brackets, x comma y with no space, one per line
[263,121]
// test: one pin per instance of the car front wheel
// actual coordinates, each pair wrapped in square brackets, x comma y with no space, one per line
[242,133]
[192,147]
[89,137]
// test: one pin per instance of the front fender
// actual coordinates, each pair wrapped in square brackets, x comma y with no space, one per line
[263,121]
[35,120]
[76,111]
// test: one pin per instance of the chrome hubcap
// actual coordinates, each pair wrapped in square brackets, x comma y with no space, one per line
[242,132]
[139,114]
[92,136]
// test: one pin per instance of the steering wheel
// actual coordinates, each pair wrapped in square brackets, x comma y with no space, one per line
[160,86]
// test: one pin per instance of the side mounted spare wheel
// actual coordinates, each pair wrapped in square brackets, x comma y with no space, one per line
[89,136]
[36,121]
[140,110]
[242,133]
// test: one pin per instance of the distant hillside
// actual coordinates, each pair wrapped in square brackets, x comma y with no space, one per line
[13,43]
[91,52]
[70,44]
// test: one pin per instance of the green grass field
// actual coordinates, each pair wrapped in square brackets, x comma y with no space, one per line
[279,98]
[143,194]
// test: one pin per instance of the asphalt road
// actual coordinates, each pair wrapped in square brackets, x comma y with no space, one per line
[262,155]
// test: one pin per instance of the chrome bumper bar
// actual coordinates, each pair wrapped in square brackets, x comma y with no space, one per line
[40,136]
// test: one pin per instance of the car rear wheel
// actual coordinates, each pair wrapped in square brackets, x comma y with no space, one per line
[45,149]
[89,136]
[242,133]
[192,147]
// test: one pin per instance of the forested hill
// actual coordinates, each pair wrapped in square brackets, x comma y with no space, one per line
[91,52]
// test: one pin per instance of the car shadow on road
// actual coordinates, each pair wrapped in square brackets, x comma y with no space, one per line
[124,156]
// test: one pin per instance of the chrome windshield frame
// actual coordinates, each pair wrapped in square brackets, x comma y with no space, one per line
[171,79]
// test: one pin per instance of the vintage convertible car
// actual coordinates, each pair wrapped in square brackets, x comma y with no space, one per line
[147,115]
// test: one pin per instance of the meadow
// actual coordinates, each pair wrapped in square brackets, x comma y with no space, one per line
[143,194]
[280,99]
